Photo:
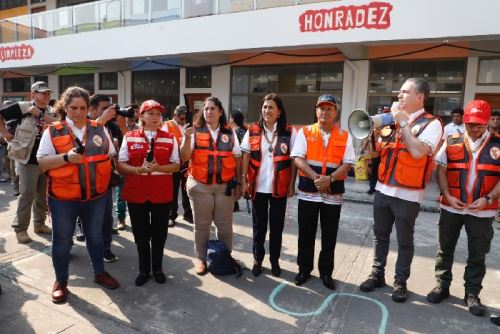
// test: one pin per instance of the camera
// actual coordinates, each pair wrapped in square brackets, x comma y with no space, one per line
[125,112]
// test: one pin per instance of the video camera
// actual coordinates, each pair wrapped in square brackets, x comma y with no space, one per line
[125,112]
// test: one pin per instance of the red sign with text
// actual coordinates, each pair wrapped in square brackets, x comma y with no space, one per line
[17,52]
[375,15]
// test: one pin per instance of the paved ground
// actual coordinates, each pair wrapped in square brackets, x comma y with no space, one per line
[191,304]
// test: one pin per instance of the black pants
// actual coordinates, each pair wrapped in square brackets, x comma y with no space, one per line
[374,172]
[479,235]
[266,208]
[329,216]
[150,233]
[389,211]
[179,179]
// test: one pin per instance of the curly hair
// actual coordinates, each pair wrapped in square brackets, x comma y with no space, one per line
[73,92]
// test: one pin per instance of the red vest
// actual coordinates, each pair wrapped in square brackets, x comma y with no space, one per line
[323,161]
[213,163]
[87,180]
[397,167]
[281,161]
[155,187]
[458,165]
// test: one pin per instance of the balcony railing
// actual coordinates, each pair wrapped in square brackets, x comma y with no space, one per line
[108,14]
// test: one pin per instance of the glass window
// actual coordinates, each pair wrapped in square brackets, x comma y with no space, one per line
[81,80]
[16,85]
[298,85]
[43,78]
[489,71]
[198,77]
[446,79]
[8,4]
[34,2]
[158,85]
[108,81]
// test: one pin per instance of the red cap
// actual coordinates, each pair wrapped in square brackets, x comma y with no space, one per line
[151,104]
[477,111]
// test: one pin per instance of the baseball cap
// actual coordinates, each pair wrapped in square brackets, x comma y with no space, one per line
[326,99]
[477,111]
[151,104]
[40,86]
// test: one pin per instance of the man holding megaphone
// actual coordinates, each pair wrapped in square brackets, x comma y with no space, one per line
[406,161]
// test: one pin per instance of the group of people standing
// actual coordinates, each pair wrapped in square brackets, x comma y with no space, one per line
[78,156]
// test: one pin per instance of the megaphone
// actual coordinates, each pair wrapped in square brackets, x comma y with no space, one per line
[361,124]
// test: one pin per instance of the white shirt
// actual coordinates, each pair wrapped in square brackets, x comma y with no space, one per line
[300,150]
[264,180]
[431,136]
[442,159]
[452,128]
[47,148]
[123,154]
[214,133]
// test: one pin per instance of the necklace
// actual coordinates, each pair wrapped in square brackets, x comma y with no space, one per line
[269,141]
[467,145]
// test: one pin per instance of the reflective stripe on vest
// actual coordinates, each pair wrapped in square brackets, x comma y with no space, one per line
[397,167]
[323,161]
[213,162]
[87,180]
[281,161]
[155,187]
[459,160]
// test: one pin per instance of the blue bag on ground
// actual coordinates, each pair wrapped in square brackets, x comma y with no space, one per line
[219,259]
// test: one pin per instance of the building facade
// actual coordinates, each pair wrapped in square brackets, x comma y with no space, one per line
[180,51]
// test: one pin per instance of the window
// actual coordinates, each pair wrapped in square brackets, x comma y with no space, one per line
[34,2]
[158,85]
[16,85]
[64,3]
[82,80]
[43,78]
[446,79]
[489,72]
[108,81]
[198,77]
[298,85]
[8,4]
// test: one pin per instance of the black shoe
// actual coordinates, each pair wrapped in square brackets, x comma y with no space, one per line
[16,193]
[495,320]
[438,294]
[275,269]
[474,304]
[373,281]
[160,277]
[328,281]
[171,222]
[109,256]
[236,207]
[257,268]
[370,191]
[301,278]
[80,237]
[188,218]
[114,231]
[400,292]
[141,279]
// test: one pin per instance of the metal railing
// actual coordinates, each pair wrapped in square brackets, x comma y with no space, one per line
[108,14]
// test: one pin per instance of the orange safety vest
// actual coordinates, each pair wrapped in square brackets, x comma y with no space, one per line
[90,178]
[281,160]
[171,127]
[459,159]
[397,167]
[211,162]
[323,161]
[155,187]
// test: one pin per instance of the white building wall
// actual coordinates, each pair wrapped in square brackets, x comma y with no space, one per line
[354,88]
[471,86]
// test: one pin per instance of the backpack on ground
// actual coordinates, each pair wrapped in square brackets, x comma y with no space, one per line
[219,259]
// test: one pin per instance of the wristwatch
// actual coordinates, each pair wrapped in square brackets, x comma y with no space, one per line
[66,157]
[403,124]
[489,199]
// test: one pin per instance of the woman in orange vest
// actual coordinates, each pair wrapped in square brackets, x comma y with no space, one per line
[214,178]
[148,157]
[75,154]
[270,174]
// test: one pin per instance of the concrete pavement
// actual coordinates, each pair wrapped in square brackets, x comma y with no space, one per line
[192,304]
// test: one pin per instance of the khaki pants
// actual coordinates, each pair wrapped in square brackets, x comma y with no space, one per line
[32,186]
[210,203]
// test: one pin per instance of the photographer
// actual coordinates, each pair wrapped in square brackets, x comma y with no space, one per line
[32,118]
[215,168]
[104,113]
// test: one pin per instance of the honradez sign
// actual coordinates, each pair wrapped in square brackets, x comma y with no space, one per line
[375,15]
[16,52]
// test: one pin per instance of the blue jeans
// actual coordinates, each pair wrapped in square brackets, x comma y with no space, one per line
[64,214]
[107,226]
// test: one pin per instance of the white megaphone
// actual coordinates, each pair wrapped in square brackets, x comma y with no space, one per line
[361,124]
